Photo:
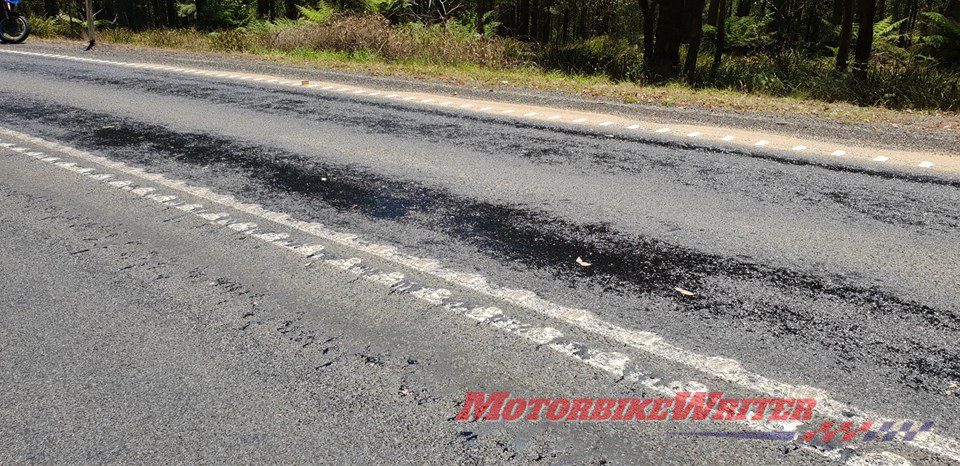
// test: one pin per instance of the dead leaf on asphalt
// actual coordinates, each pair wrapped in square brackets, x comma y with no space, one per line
[684,292]
[583,263]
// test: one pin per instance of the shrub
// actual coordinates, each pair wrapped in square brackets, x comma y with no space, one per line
[615,58]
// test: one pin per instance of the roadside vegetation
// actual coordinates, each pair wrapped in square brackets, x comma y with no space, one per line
[898,54]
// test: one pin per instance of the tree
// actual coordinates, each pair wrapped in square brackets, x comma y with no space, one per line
[846,32]
[694,32]
[649,10]
[866,10]
[669,36]
[721,38]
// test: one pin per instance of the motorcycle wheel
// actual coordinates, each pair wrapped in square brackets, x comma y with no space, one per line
[14,29]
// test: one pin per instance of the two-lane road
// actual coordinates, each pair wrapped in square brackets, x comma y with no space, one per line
[205,264]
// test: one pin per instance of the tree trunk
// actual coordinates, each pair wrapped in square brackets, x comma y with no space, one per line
[866,10]
[714,11]
[201,13]
[669,36]
[523,18]
[744,7]
[846,31]
[649,9]
[173,20]
[694,31]
[721,39]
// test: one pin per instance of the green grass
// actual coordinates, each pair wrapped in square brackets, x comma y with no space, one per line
[787,85]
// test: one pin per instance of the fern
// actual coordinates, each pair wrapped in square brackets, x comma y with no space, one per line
[944,43]
[321,14]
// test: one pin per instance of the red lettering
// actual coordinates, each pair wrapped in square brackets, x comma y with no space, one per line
[726,409]
[803,411]
[580,409]
[659,412]
[602,409]
[481,404]
[779,405]
[700,405]
[536,406]
[636,412]
[762,404]
[558,409]
[514,408]
[622,404]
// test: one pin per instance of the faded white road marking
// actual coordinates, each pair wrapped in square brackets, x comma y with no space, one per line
[727,138]
[722,368]
[799,148]
[663,130]
[839,152]
[761,142]
[925,164]
[881,158]
[693,134]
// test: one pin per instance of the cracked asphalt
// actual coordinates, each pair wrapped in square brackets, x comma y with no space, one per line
[140,333]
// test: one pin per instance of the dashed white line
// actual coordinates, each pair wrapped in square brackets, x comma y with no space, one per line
[925,164]
[799,148]
[761,143]
[839,152]
[881,158]
[727,138]
[663,130]
[693,134]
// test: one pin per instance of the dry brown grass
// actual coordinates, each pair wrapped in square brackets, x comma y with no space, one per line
[436,44]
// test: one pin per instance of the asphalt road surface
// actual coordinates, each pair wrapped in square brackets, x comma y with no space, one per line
[204,268]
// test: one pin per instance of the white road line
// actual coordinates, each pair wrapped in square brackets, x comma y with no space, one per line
[925,164]
[722,368]
[693,134]
[663,130]
[839,152]
[881,158]
[530,114]
[579,120]
[633,126]
[799,148]
[605,123]
[761,143]
[727,138]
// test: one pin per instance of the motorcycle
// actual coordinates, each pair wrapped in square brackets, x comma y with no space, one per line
[14,28]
